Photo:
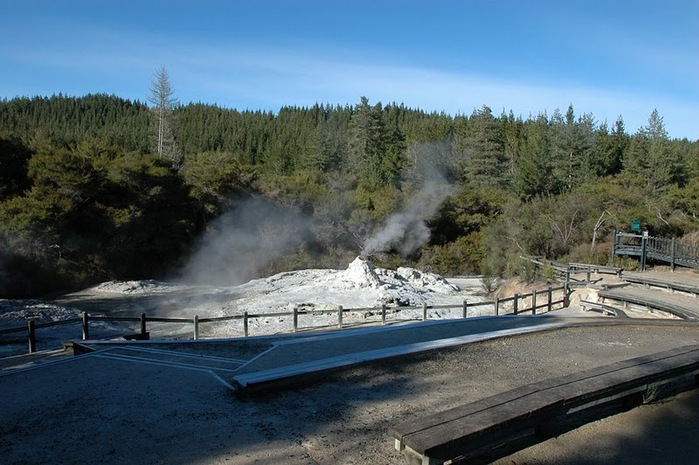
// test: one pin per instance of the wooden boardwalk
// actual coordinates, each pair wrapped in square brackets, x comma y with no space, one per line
[496,425]
[682,306]
[671,292]
[659,249]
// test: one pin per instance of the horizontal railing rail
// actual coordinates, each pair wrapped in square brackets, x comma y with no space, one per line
[532,302]
[660,249]
[568,273]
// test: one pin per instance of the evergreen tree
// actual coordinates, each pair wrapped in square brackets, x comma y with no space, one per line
[512,141]
[572,144]
[534,166]
[482,150]
[607,158]
[373,153]
[14,156]
[650,159]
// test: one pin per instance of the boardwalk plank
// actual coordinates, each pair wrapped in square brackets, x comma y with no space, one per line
[526,411]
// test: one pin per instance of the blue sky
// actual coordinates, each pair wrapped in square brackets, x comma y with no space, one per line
[608,58]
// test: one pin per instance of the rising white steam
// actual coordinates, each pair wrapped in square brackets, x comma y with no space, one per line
[406,231]
[243,242]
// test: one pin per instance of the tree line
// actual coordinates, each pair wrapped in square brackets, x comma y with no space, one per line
[86,194]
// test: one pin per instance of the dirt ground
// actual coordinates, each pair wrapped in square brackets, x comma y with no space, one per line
[92,410]
[660,433]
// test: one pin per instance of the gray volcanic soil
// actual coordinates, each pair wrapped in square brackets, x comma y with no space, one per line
[109,411]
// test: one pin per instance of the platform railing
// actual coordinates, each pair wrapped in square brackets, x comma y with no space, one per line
[660,249]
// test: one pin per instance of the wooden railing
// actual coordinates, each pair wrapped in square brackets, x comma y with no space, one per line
[659,249]
[571,272]
[536,301]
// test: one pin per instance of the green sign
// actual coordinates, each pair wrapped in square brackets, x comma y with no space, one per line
[636,226]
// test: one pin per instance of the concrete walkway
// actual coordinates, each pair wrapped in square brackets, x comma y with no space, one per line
[289,360]
[256,364]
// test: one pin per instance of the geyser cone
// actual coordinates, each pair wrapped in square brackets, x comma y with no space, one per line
[361,273]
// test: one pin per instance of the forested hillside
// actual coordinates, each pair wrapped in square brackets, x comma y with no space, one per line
[85,197]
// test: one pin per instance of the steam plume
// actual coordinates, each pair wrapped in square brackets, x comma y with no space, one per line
[243,242]
[406,230]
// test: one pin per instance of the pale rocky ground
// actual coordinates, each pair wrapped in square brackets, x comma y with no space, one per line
[359,286]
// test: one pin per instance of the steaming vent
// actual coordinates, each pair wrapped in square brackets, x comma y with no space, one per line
[361,273]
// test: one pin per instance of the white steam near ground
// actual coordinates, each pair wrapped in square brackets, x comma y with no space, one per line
[243,242]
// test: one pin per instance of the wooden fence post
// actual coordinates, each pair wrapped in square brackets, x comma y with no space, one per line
[497,306]
[196,327]
[550,298]
[515,304]
[143,323]
[339,317]
[672,255]
[32,336]
[86,326]
[296,319]
[465,309]
[424,311]
[534,302]
[383,314]
[245,323]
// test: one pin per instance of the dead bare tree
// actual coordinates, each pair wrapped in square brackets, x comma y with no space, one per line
[659,214]
[163,101]
[597,227]
[564,230]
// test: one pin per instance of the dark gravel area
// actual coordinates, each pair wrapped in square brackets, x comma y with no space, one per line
[119,412]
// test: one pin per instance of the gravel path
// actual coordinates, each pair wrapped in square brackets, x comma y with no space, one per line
[88,409]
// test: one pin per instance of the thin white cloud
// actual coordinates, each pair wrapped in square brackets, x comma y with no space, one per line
[233,75]
[276,78]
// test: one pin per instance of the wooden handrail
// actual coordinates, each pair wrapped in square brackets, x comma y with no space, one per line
[656,248]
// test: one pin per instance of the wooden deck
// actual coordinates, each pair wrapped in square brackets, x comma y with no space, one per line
[659,249]
[496,426]
[682,306]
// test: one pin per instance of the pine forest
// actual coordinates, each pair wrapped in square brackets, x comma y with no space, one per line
[98,188]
